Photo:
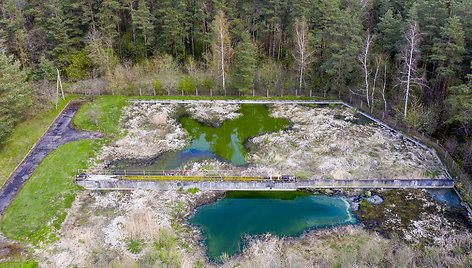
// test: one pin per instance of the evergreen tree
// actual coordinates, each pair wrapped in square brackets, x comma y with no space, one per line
[244,65]
[15,95]
[447,53]
[389,33]
[143,20]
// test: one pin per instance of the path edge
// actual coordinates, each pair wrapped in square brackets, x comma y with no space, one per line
[69,103]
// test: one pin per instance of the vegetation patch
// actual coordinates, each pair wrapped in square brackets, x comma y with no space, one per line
[19,264]
[25,136]
[40,207]
[193,190]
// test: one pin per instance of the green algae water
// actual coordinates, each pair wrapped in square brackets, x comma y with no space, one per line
[227,141]
[226,222]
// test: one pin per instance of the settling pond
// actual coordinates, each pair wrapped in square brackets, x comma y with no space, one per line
[225,143]
[227,223]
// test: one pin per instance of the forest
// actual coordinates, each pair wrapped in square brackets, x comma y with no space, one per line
[409,58]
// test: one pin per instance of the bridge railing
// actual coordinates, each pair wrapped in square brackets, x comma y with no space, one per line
[195,174]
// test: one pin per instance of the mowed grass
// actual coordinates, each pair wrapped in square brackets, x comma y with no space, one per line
[24,137]
[107,109]
[39,209]
[19,264]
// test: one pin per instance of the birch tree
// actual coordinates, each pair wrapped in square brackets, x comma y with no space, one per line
[410,56]
[302,52]
[221,47]
[364,59]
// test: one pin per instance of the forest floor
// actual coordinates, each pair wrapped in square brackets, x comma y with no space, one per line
[322,142]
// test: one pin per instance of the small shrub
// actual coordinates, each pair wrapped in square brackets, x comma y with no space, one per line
[79,66]
[135,246]
[193,190]
[158,87]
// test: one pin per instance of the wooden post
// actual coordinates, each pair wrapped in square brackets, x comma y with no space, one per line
[408,129]
[372,109]
[437,142]
[182,92]
[395,122]
[383,115]
[60,83]
[361,104]
[350,99]
[422,135]
[310,92]
[211,92]
[196,91]
[453,164]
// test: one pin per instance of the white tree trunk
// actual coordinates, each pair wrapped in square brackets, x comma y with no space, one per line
[407,92]
[383,88]
[222,58]
[373,83]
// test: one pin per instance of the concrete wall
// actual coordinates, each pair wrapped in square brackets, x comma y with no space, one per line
[115,184]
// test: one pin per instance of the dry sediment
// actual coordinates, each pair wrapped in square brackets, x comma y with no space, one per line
[100,227]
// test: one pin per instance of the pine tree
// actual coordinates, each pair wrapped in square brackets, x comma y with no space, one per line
[389,33]
[447,53]
[143,20]
[244,65]
[15,95]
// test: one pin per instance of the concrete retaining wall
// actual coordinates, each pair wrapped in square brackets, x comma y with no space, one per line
[116,184]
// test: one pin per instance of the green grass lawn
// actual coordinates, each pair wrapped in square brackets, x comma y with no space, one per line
[107,109]
[19,264]
[39,209]
[25,135]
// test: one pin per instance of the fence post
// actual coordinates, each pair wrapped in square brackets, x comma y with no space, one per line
[125,171]
[453,164]
[211,92]
[372,109]
[383,115]
[408,129]
[350,99]
[310,92]
[422,135]
[361,104]
[395,122]
[437,142]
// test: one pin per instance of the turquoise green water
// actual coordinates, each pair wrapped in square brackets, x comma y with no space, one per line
[224,143]
[226,222]
[228,140]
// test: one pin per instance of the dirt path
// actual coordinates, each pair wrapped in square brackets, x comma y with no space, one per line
[60,133]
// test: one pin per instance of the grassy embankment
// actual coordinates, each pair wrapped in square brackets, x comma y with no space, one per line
[39,208]
[24,137]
